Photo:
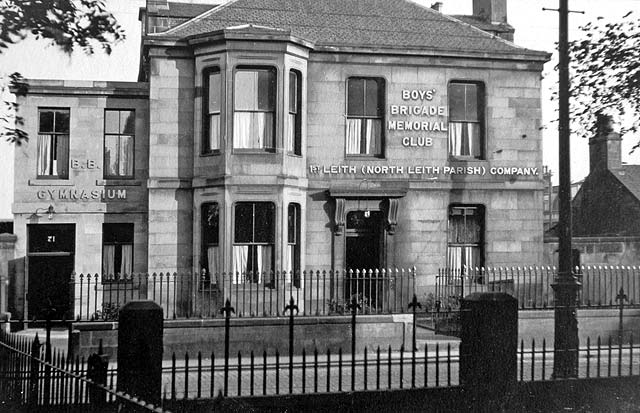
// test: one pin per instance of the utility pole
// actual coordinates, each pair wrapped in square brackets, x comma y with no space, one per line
[566,285]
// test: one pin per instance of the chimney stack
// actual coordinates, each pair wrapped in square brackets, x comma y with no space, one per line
[491,11]
[437,6]
[605,150]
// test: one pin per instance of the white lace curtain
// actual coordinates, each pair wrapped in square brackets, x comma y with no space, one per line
[262,258]
[253,130]
[372,136]
[464,139]
[53,155]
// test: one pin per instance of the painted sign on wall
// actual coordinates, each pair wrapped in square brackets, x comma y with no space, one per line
[417,117]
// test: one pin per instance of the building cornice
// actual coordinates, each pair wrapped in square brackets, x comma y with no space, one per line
[138,90]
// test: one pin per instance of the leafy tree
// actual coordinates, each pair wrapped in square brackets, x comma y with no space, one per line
[605,75]
[66,24]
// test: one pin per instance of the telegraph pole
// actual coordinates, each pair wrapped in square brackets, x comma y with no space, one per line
[566,285]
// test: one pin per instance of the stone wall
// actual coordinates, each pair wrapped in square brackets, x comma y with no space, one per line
[259,335]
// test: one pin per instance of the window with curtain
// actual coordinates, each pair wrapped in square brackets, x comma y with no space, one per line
[466,120]
[211,110]
[210,254]
[253,243]
[465,238]
[117,251]
[293,244]
[119,139]
[53,143]
[294,134]
[365,115]
[254,93]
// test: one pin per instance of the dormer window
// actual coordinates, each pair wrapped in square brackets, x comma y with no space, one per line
[254,108]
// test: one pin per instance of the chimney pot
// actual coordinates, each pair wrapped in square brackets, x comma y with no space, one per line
[605,150]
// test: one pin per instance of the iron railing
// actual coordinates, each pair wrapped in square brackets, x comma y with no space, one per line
[34,377]
[252,294]
[601,285]
[432,365]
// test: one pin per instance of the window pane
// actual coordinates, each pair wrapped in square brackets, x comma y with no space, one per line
[126,155]
[266,90]
[214,92]
[464,139]
[111,121]
[111,154]
[46,121]
[245,90]
[456,102]
[243,222]
[210,223]
[292,223]
[117,233]
[355,97]
[264,222]
[471,102]
[214,132]
[372,94]
[293,92]
[62,121]
[127,122]
[253,130]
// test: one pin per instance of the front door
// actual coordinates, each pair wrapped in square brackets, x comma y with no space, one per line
[364,250]
[50,264]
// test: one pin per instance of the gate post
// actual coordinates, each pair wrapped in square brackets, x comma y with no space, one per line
[488,348]
[140,350]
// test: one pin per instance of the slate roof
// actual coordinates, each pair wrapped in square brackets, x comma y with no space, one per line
[187,10]
[395,24]
[629,176]
[482,24]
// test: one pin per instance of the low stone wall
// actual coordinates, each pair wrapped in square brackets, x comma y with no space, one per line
[539,325]
[257,334]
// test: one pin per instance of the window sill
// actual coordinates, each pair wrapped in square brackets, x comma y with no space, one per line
[365,157]
[250,151]
[465,159]
[118,182]
[294,155]
[53,181]
[212,153]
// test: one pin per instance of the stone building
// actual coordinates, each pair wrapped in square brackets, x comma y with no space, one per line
[270,135]
[606,209]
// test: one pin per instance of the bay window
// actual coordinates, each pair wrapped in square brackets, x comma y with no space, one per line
[211,110]
[119,134]
[466,120]
[254,108]
[253,243]
[53,143]
[365,115]
[465,238]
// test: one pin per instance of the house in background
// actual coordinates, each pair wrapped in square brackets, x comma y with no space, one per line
[606,208]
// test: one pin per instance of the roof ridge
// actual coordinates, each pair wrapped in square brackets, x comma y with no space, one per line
[479,30]
[199,17]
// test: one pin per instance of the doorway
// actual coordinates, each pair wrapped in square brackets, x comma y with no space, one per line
[51,249]
[364,251]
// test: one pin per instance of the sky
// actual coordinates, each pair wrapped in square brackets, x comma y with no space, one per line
[534,28]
